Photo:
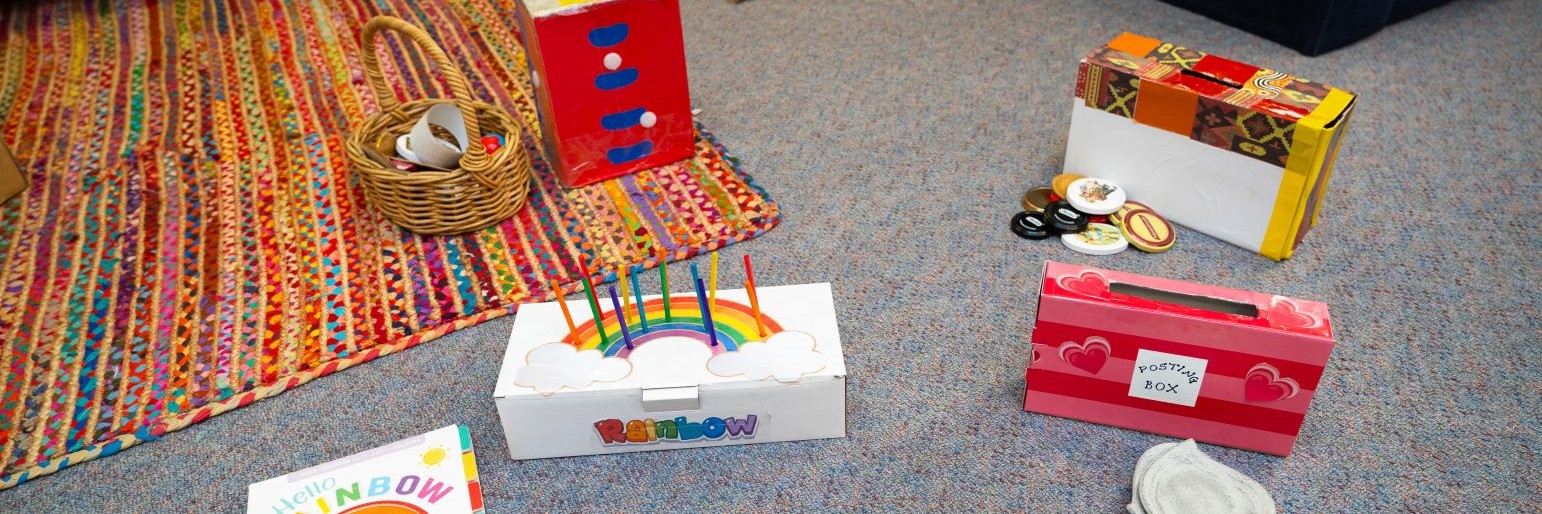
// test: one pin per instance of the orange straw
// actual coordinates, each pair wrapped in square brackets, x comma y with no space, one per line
[760,324]
[572,329]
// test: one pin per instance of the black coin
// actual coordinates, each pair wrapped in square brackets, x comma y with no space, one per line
[1065,218]
[1030,225]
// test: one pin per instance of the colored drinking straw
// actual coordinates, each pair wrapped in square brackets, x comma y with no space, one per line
[626,298]
[706,313]
[695,277]
[642,312]
[626,334]
[712,283]
[749,271]
[567,316]
[664,283]
[594,305]
[760,324]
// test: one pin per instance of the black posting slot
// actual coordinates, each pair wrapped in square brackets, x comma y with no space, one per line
[1186,300]
[1216,80]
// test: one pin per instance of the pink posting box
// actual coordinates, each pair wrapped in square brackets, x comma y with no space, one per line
[1228,367]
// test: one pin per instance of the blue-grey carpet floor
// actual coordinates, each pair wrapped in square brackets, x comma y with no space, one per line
[897,137]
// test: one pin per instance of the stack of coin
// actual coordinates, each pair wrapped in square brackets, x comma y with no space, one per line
[1093,216]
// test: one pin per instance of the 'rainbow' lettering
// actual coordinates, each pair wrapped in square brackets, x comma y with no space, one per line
[680,429]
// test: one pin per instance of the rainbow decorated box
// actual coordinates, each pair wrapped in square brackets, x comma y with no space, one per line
[1223,366]
[610,85]
[1236,151]
[676,385]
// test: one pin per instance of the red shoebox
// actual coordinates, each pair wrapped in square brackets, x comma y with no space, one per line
[1222,366]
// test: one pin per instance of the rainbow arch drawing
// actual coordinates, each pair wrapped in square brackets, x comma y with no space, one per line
[734,322]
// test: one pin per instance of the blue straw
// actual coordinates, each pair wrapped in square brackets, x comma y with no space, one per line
[694,275]
[626,335]
[642,313]
[706,313]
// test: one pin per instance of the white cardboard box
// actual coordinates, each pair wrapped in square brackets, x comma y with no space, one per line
[673,389]
[1229,196]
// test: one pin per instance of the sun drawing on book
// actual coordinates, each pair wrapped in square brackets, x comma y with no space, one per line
[434,456]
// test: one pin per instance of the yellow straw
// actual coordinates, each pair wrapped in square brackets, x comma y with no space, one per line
[760,324]
[712,284]
[626,299]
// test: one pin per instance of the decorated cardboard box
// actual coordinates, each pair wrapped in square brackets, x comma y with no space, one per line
[669,383]
[1223,366]
[1236,151]
[610,85]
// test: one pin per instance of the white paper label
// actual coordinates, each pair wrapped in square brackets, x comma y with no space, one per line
[1165,377]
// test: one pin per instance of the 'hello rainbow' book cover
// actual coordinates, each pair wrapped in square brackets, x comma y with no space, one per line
[431,473]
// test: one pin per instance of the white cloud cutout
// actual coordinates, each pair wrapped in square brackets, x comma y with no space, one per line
[669,362]
[553,366]
[785,356]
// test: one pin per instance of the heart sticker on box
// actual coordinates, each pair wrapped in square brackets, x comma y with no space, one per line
[1090,283]
[1264,384]
[1089,356]
[1284,313]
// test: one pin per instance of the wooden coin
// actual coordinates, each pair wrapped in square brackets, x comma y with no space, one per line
[1036,199]
[1062,182]
[1117,218]
[1097,239]
[1147,231]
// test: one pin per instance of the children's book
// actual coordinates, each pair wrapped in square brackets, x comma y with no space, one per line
[432,473]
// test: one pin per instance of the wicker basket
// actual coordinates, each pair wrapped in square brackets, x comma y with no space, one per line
[485,189]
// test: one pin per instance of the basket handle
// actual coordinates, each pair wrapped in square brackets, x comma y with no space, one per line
[474,152]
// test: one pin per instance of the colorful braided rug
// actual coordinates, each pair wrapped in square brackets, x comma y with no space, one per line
[192,239]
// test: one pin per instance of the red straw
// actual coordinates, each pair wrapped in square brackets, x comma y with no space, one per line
[749,271]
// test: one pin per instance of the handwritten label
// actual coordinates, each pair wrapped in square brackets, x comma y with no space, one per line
[1165,377]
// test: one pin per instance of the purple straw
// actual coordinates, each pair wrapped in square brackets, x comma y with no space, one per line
[626,335]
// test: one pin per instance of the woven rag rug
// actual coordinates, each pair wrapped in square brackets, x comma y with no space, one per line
[193,240]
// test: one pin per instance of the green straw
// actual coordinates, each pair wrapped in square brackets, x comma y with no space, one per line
[664,283]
